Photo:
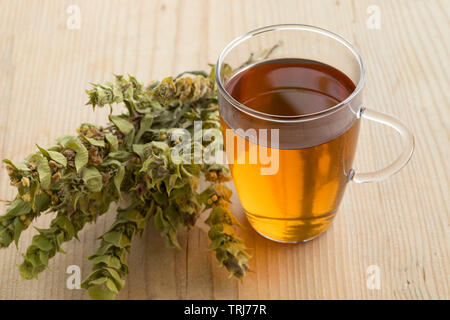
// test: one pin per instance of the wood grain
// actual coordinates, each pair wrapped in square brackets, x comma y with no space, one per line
[401,225]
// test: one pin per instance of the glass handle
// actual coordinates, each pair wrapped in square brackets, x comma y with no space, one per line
[408,147]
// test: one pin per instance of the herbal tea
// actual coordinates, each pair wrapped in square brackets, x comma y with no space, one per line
[299,201]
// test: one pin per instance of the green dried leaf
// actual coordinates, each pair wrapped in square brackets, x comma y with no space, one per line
[98,281]
[102,250]
[44,152]
[131,215]
[17,165]
[118,178]
[92,178]
[66,225]
[82,155]
[81,158]
[41,202]
[120,155]
[18,227]
[172,216]
[5,237]
[42,243]
[122,124]
[102,292]
[58,157]
[118,239]
[116,278]
[146,124]
[112,140]
[160,223]
[95,142]
[162,146]
[43,256]
[65,140]
[26,271]
[18,207]
[108,260]
[141,150]
[45,174]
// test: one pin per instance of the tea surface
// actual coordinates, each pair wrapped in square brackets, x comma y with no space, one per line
[290,87]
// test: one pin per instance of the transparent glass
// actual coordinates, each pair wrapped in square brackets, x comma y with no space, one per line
[314,151]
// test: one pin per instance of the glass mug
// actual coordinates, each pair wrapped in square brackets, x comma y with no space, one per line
[315,151]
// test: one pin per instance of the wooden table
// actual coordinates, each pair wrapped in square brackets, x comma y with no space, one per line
[400,225]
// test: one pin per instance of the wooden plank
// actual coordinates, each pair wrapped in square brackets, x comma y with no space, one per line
[400,225]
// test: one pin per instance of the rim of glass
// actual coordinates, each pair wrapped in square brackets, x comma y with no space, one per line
[280,118]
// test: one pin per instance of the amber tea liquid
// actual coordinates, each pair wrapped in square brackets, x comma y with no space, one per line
[299,201]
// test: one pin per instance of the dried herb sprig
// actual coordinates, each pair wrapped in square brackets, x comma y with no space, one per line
[110,264]
[51,178]
[18,218]
[174,187]
[81,176]
[230,250]
[30,200]
[82,180]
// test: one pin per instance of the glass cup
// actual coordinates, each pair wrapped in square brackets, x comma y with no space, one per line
[314,152]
